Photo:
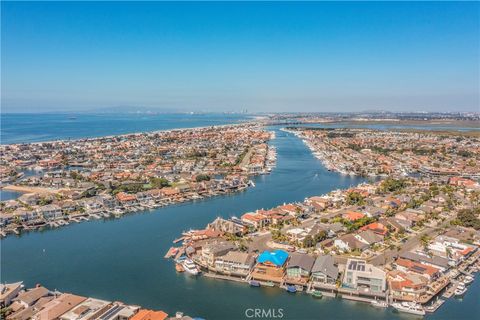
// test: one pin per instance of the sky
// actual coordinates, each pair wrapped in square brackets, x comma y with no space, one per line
[263,57]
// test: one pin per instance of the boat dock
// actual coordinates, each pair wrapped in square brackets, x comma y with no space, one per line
[450,290]
[180,253]
[223,277]
[434,306]
[179,240]
[171,252]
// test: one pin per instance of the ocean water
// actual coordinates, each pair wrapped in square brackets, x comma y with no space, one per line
[23,128]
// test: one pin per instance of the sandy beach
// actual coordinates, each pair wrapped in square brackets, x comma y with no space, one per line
[27,189]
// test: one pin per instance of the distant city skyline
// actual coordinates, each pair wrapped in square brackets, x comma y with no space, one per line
[224,57]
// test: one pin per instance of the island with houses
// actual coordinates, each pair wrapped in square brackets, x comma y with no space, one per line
[71,181]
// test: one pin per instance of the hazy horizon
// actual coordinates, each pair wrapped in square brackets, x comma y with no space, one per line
[159,110]
[228,57]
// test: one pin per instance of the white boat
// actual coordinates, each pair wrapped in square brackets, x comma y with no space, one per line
[468,279]
[379,304]
[190,267]
[409,307]
[461,289]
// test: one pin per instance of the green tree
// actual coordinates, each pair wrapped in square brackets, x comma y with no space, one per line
[469,218]
[202,177]
[391,185]
[320,236]
[308,242]
[355,198]
[159,182]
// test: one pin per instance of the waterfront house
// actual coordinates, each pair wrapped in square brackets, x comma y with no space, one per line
[168,192]
[58,306]
[406,286]
[155,194]
[299,267]
[363,276]
[21,313]
[211,251]
[85,310]
[50,212]
[24,215]
[290,209]
[68,206]
[6,218]
[205,234]
[270,266]
[256,220]
[143,196]
[108,201]
[9,291]
[126,199]
[235,263]
[324,270]
[232,226]
[30,297]
[117,311]
[145,314]
[93,204]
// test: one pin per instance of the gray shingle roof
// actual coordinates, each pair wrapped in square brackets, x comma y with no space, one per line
[325,265]
[301,260]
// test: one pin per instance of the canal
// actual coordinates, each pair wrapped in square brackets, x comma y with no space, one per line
[123,260]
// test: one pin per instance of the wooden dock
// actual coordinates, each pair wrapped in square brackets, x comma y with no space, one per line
[171,252]
[178,240]
[450,291]
[434,306]
[224,277]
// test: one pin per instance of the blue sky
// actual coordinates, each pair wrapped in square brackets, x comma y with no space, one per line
[232,56]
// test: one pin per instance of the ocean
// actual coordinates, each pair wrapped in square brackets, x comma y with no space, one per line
[24,128]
